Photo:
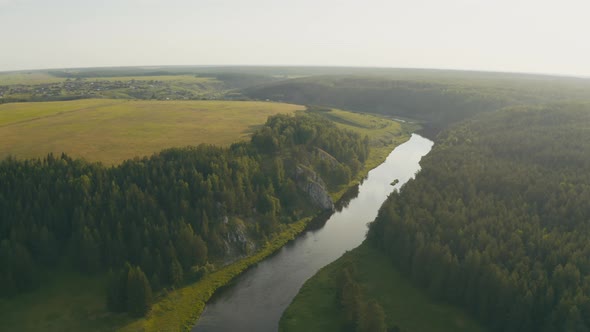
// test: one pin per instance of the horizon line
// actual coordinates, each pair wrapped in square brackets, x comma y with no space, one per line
[302,66]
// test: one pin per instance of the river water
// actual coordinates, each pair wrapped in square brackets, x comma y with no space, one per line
[256,300]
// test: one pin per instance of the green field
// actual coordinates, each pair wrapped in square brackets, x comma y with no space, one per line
[111,131]
[315,308]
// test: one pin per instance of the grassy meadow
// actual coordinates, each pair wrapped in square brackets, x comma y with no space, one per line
[315,308]
[111,131]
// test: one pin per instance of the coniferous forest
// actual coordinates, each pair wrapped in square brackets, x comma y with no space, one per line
[159,221]
[498,220]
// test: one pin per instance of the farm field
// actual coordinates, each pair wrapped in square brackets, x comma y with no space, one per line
[111,131]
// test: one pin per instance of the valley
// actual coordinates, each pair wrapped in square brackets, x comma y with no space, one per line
[212,203]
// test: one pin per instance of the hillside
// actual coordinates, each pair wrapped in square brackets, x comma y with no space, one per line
[436,98]
[497,221]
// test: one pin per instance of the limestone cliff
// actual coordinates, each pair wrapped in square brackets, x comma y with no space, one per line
[237,241]
[314,186]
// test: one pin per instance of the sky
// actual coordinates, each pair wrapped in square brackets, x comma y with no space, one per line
[537,36]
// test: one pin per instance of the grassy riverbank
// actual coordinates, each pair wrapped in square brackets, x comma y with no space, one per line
[73,302]
[315,308]
[179,309]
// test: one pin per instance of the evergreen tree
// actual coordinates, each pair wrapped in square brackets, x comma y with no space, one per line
[139,293]
[373,319]
[117,289]
[175,274]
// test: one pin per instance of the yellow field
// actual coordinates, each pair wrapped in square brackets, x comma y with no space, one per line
[114,130]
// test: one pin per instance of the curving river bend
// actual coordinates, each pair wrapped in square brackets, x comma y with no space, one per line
[256,300]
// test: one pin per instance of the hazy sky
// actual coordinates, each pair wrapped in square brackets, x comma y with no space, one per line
[504,35]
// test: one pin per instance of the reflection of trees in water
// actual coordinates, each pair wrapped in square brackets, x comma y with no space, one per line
[348,196]
[320,220]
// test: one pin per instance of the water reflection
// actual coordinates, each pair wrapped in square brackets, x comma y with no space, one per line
[348,196]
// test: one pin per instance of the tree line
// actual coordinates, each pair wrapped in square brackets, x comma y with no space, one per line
[437,98]
[158,221]
[498,220]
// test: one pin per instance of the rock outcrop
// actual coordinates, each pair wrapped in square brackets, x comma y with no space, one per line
[313,185]
[237,242]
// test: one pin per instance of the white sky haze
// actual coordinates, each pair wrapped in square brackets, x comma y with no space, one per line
[519,35]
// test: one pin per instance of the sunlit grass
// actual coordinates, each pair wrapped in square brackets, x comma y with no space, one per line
[111,131]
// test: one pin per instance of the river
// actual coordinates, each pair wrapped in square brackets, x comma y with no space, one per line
[256,300]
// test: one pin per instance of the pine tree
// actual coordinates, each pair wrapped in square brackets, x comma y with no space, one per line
[117,289]
[175,275]
[139,293]
[373,319]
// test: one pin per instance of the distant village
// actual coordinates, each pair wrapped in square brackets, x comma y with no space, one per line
[92,88]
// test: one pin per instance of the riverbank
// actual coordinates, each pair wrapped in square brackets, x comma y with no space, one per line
[180,308]
[381,147]
[74,302]
[316,306]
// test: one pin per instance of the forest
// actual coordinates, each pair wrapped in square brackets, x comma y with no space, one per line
[156,222]
[437,99]
[498,221]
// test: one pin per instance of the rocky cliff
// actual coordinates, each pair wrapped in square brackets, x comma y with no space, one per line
[314,186]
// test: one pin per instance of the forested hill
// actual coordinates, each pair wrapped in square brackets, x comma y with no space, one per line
[437,98]
[498,220]
[170,214]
